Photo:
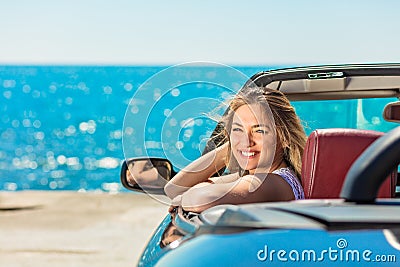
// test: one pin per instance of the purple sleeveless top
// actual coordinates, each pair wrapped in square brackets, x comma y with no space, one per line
[288,175]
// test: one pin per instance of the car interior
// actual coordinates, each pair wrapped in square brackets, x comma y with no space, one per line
[328,155]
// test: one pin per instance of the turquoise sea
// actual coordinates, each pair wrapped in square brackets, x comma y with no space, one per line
[61,127]
[64,127]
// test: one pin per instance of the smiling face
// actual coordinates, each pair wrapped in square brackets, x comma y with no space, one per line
[253,139]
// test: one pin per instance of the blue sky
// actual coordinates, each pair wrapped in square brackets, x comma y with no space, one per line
[129,32]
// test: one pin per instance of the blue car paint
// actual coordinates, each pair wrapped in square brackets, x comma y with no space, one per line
[286,248]
[153,251]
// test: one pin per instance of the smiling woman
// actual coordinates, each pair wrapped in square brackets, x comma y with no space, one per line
[262,150]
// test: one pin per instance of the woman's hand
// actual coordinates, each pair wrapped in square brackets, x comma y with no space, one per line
[175,203]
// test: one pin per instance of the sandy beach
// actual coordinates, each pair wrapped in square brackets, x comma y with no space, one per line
[63,228]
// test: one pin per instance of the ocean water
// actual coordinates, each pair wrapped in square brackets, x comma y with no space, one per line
[61,127]
[70,127]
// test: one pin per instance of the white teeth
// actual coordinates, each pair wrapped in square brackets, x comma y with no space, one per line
[247,154]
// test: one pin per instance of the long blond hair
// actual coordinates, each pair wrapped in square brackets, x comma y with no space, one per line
[289,131]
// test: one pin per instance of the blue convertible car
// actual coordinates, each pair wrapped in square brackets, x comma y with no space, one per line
[351,214]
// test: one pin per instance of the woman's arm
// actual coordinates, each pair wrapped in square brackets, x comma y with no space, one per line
[223,179]
[247,189]
[140,170]
[145,174]
[197,172]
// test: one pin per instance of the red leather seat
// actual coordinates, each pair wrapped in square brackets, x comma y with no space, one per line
[328,155]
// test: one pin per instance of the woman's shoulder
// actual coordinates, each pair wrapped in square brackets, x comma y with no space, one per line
[285,171]
[291,178]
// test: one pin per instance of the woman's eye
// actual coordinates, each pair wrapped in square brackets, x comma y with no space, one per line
[236,129]
[261,131]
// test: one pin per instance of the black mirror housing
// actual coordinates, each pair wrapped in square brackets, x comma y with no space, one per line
[148,175]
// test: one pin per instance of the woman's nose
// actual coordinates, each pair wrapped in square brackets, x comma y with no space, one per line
[249,139]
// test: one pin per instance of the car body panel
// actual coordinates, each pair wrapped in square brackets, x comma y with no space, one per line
[286,248]
[153,252]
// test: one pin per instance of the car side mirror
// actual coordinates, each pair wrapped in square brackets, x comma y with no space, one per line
[148,175]
[392,112]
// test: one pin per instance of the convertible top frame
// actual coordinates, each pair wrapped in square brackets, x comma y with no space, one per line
[333,82]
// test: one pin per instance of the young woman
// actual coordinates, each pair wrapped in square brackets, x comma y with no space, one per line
[263,151]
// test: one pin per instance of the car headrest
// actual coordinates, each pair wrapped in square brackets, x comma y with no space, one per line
[329,154]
